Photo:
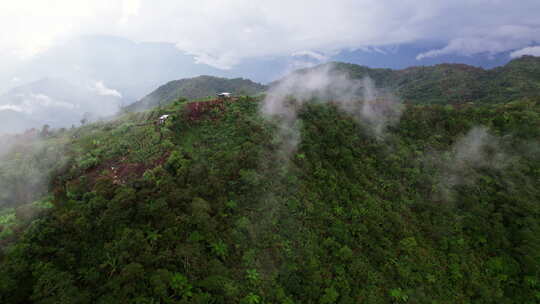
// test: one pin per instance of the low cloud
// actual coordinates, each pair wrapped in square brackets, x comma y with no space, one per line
[57,103]
[305,59]
[101,89]
[313,55]
[501,39]
[476,150]
[532,51]
[27,161]
[360,98]
[32,103]
[11,107]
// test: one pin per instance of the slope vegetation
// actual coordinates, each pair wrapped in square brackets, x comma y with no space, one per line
[454,83]
[439,84]
[206,209]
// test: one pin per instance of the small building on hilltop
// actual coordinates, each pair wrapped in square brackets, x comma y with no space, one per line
[224,95]
[163,118]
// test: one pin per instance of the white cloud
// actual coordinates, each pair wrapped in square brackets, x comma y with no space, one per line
[305,59]
[30,27]
[11,107]
[103,90]
[41,100]
[222,33]
[30,103]
[500,39]
[532,50]
[313,55]
[130,8]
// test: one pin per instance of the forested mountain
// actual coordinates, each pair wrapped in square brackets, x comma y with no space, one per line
[210,208]
[453,83]
[438,84]
[269,152]
[196,88]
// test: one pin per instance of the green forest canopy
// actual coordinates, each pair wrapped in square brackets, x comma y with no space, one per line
[206,210]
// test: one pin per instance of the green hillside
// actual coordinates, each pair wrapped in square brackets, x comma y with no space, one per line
[206,209]
[454,83]
[196,88]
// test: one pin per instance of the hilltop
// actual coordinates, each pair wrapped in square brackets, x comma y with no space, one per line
[196,88]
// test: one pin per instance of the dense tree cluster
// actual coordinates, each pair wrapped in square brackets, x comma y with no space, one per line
[455,83]
[208,210]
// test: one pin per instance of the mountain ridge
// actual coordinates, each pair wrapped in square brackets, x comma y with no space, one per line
[196,88]
[451,83]
[455,83]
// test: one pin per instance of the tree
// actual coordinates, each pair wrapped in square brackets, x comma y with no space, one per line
[86,118]
[44,131]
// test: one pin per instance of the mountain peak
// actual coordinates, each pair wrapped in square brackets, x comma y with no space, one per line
[195,88]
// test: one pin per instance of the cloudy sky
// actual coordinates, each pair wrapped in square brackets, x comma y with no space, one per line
[224,33]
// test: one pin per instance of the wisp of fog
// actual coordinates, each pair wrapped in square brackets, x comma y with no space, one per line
[369,106]
[476,150]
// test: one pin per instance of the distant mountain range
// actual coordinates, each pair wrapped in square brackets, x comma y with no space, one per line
[56,102]
[452,83]
[438,84]
[135,68]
